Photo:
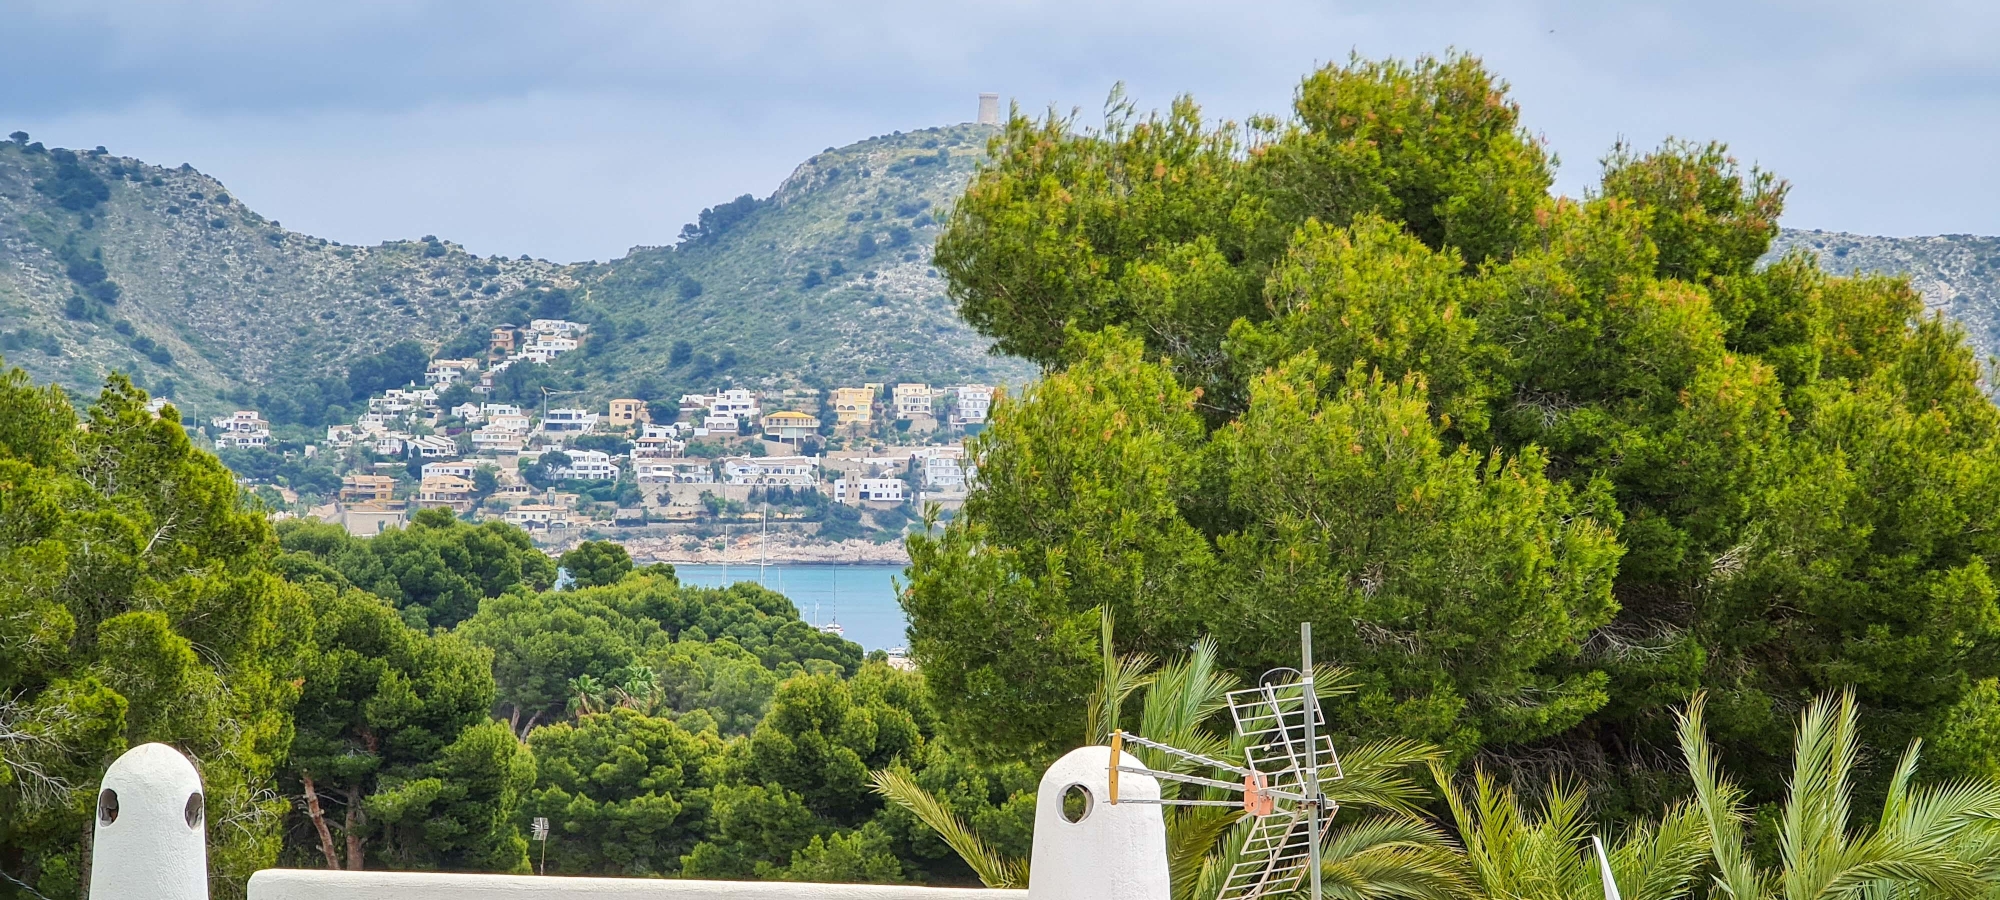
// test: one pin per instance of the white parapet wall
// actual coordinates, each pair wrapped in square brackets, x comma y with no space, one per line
[314,884]
[150,836]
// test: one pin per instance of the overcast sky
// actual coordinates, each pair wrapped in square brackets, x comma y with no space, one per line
[574,130]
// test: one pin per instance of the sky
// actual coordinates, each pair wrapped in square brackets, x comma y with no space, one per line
[576,130]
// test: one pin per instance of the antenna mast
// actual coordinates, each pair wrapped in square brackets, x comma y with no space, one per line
[1285,747]
[1314,799]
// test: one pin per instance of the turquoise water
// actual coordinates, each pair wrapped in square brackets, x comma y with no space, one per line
[861,598]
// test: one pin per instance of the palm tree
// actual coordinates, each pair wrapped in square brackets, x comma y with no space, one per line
[588,695]
[1512,851]
[1929,841]
[1393,853]
[638,687]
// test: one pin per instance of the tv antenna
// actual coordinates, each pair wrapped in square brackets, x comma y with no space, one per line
[1287,755]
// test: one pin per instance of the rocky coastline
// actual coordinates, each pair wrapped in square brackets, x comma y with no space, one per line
[751,549]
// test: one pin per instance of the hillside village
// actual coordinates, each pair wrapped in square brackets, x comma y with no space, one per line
[674,476]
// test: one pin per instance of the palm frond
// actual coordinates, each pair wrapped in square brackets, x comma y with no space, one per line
[994,870]
[1191,835]
[1118,678]
[1182,701]
[1660,861]
[1812,838]
[1896,803]
[1378,774]
[1719,802]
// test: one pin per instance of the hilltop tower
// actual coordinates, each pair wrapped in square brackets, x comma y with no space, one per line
[989,109]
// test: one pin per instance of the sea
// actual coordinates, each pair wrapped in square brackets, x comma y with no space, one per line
[860,599]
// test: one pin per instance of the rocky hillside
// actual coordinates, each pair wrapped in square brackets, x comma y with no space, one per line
[827,279]
[1957,273]
[107,263]
[110,263]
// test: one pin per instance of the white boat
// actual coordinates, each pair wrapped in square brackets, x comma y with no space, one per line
[832,626]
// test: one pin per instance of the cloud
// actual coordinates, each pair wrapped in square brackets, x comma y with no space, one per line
[575,130]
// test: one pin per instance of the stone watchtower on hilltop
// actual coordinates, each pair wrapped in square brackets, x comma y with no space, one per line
[989,109]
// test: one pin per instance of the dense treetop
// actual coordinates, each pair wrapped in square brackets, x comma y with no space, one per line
[1537,466]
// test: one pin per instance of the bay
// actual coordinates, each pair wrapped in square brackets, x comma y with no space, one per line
[861,599]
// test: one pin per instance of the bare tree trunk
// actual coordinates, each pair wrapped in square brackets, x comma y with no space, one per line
[319,823]
[355,820]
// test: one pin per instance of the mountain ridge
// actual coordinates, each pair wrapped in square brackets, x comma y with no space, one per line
[107,262]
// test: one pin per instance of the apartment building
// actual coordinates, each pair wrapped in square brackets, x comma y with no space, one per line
[854,406]
[971,406]
[628,413]
[367,488]
[912,401]
[736,402]
[445,490]
[944,473]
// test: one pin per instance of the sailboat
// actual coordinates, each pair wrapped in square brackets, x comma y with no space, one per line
[832,626]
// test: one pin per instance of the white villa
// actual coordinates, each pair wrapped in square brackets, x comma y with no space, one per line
[735,402]
[673,471]
[912,400]
[569,421]
[771,470]
[455,469]
[587,465]
[494,439]
[657,442]
[562,327]
[944,473]
[432,446]
[973,403]
[442,372]
[864,490]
